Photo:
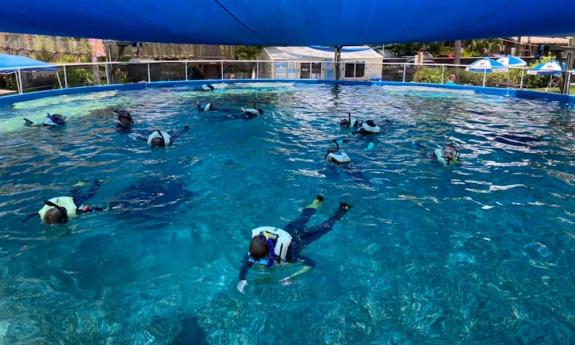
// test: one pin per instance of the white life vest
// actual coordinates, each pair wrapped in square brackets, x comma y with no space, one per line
[338,157]
[48,122]
[250,111]
[156,134]
[62,201]
[281,237]
[370,129]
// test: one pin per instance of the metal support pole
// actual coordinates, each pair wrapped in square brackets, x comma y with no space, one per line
[65,78]
[521,82]
[222,69]
[257,70]
[442,74]
[337,60]
[58,77]
[484,77]
[107,74]
[19,81]
[186,63]
[149,74]
[404,71]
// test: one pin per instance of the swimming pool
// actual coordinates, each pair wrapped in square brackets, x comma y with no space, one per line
[479,253]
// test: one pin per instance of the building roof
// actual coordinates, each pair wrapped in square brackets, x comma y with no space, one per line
[543,40]
[309,53]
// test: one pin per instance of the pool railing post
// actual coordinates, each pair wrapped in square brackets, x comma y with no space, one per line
[222,69]
[149,75]
[65,78]
[404,70]
[484,77]
[257,70]
[443,74]
[19,81]
[186,69]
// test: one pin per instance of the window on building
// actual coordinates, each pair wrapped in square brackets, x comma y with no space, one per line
[349,70]
[316,68]
[355,70]
[359,70]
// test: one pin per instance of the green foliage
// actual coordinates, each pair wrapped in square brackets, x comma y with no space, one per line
[79,77]
[405,49]
[482,47]
[247,52]
[429,75]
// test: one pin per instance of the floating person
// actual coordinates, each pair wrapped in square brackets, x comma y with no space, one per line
[160,138]
[51,121]
[350,122]
[61,209]
[208,87]
[205,107]
[449,154]
[252,113]
[368,127]
[270,245]
[125,120]
[333,154]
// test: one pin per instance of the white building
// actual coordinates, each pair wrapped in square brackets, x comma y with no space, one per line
[357,63]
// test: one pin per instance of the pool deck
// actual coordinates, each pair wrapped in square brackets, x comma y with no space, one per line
[526,94]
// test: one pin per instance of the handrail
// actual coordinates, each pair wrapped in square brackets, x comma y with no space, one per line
[222,63]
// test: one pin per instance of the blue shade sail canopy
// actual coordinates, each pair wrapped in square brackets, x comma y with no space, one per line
[288,22]
[10,63]
[486,65]
[512,61]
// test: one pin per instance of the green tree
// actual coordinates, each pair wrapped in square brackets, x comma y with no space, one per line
[247,52]
[482,47]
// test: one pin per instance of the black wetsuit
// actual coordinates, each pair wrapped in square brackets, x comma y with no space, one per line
[301,236]
[81,194]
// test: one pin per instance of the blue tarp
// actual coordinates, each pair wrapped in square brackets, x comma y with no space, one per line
[288,22]
[9,63]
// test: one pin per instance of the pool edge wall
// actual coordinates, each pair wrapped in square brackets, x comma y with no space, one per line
[526,94]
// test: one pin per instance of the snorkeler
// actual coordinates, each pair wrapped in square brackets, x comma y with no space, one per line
[270,245]
[333,154]
[368,127]
[251,113]
[207,87]
[448,155]
[60,209]
[52,120]
[160,138]
[350,122]
[205,107]
[125,120]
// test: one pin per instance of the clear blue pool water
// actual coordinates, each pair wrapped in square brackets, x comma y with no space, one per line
[480,253]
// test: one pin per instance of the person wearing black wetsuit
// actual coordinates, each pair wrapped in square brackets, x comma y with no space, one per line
[271,245]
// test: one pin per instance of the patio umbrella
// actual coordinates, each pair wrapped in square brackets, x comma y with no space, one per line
[486,65]
[512,61]
[551,68]
[547,68]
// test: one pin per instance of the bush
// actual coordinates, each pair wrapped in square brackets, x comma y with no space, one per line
[429,75]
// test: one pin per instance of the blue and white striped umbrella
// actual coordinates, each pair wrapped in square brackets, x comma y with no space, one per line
[512,61]
[486,65]
[547,68]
